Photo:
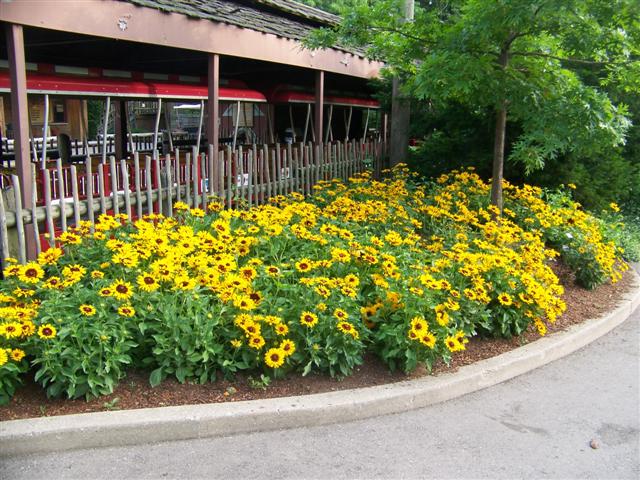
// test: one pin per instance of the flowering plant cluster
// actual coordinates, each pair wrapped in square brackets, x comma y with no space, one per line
[407,271]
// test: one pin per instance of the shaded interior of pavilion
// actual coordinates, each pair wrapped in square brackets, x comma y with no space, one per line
[265,102]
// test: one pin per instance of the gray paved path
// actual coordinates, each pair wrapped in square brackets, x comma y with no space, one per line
[538,425]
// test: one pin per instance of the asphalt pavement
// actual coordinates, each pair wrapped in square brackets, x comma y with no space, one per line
[578,417]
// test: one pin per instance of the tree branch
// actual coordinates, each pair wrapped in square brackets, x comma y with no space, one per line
[569,59]
[406,35]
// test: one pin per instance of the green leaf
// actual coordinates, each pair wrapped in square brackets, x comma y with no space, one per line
[156,377]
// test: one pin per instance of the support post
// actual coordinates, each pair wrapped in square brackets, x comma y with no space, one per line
[319,120]
[20,116]
[213,104]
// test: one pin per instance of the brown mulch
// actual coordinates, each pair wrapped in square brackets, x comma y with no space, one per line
[135,392]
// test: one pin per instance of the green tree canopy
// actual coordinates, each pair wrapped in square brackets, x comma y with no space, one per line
[523,59]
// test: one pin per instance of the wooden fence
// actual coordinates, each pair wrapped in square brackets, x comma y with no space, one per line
[66,194]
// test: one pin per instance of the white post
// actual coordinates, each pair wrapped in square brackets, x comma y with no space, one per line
[105,128]
[156,128]
[200,127]
[235,129]
[45,131]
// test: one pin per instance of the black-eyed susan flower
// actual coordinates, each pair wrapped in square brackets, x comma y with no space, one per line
[47,331]
[505,299]
[256,342]
[281,329]
[87,310]
[126,311]
[121,290]
[308,319]
[274,357]
[50,256]
[428,339]
[288,347]
[17,354]
[419,325]
[11,330]
[340,314]
[147,282]
[4,357]
[348,328]
[31,273]
[303,265]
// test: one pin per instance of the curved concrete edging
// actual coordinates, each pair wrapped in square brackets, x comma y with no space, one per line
[129,427]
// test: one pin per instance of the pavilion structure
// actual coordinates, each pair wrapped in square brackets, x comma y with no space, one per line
[257,42]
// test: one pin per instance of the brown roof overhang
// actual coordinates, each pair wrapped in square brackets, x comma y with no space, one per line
[160,26]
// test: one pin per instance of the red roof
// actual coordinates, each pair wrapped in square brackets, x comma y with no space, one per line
[114,87]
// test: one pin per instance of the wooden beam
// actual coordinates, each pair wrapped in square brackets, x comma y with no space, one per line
[124,21]
[20,118]
[319,120]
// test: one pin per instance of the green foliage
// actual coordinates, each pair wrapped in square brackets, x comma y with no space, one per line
[565,71]
[331,6]
[10,379]
[260,383]
[87,358]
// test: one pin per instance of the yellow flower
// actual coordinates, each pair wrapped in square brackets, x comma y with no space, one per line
[419,325]
[274,357]
[349,329]
[505,299]
[147,282]
[126,311]
[31,273]
[17,354]
[11,330]
[235,343]
[47,331]
[614,206]
[87,310]
[4,358]
[428,340]
[121,290]
[50,256]
[288,347]
[303,265]
[256,342]
[281,329]
[340,314]
[308,319]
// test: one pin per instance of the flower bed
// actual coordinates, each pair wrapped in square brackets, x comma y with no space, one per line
[406,271]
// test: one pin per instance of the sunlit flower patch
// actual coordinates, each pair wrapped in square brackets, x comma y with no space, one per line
[407,271]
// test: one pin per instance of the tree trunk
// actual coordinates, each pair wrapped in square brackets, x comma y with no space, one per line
[400,110]
[400,117]
[499,137]
[498,156]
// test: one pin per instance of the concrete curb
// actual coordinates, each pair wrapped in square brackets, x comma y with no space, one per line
[131,427]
